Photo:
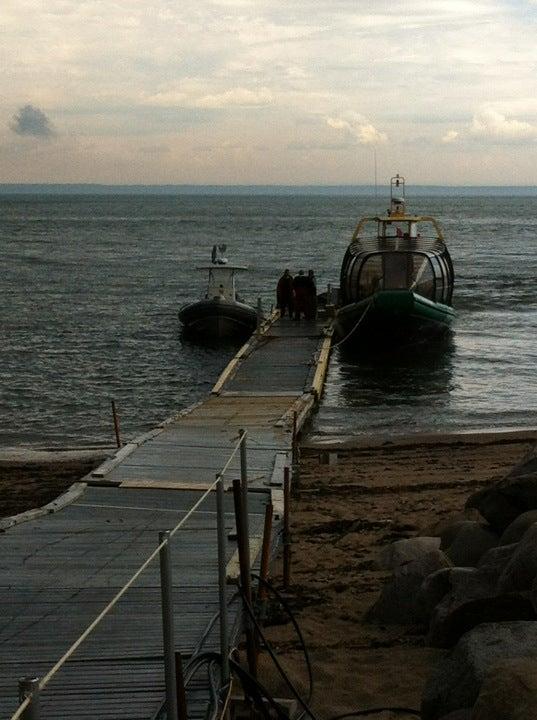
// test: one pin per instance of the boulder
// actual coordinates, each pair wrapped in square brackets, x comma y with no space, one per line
[432,590]
[449,532]
[516,530]
[506,499]
[397,601]
[508,692]
[456,681]
[461,618]
[497,558]
[442,525]
[401,552]
[520,571]
[470,542]
[466,585]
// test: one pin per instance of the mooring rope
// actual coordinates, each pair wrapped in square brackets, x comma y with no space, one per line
[362,316]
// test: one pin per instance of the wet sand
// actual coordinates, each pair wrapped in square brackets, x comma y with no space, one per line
[342,517]
[30,479]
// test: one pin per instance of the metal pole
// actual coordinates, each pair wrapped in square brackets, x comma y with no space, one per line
[222,580]
[168,626]
[116,424]
[265,559]
[244,565]
[329,295]
[294,446]
[259,315]
[286,530]
[30,686]
[180,692]
[244,485]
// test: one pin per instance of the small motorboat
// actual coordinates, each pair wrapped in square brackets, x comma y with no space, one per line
[396,281]
[221,313]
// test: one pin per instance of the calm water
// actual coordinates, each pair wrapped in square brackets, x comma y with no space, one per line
[90,288]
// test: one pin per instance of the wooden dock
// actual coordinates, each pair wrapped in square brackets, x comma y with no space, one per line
[62,565]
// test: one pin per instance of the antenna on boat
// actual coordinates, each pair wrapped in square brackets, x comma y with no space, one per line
[397,195]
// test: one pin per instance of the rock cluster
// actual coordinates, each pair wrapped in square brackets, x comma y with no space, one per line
[472,583]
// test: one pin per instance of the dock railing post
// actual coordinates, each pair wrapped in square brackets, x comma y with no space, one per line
[168,625]
[259,316]
[294,449]
[30,686]
[245,575]
[244,481]
[265,559]
[286,529]
[222,579]
[116,424]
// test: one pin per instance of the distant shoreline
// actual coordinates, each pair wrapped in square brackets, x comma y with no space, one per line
[49,189]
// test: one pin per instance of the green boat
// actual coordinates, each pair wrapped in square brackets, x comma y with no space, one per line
[396,282]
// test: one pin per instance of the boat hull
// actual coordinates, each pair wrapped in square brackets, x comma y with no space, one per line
[392,317]
[218,319]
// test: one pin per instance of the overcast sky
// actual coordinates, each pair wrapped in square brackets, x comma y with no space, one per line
[282,91]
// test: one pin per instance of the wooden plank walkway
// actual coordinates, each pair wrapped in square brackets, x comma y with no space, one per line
[59,569]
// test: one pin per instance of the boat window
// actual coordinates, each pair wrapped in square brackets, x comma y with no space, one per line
[439,273]
[397,268]
[422,280]
[371,276]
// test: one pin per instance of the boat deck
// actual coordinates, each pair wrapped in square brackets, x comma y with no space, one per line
[61,567]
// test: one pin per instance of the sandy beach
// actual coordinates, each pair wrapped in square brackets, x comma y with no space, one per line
[32,478]
[342,515]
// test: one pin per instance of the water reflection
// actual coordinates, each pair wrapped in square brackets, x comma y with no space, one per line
[410,375]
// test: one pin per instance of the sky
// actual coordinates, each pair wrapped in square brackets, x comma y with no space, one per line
[258,92]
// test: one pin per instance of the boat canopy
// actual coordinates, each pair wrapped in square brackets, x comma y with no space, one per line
[397,251]
[222,281]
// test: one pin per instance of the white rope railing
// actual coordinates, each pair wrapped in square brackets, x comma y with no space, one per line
[44,681]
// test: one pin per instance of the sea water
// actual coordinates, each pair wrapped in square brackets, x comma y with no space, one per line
[90,287]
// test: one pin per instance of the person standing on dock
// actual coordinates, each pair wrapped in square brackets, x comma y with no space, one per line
[311,306]
[300,286]
[284,294]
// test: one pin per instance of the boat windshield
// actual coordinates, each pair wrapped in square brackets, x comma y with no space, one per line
[421,272]
[221,283]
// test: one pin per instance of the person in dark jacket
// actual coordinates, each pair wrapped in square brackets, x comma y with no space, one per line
[311,305]
[301,288]
[284,294]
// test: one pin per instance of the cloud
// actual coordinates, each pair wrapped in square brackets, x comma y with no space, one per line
[30,120]
[490,123]
[450,137]
[359,128]
[238,96]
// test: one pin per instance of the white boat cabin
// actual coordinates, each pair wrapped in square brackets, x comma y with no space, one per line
[222,282]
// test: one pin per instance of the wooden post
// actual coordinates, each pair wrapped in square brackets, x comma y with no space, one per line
[116,425]
[265,551]
[286,529]
[30,686]
[246,584]
[259,316]
[182,711]
[295,452]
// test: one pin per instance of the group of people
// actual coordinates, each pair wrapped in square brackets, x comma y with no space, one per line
[297,295]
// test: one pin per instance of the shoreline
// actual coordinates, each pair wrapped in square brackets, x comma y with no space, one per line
[31,477]
[480,436]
